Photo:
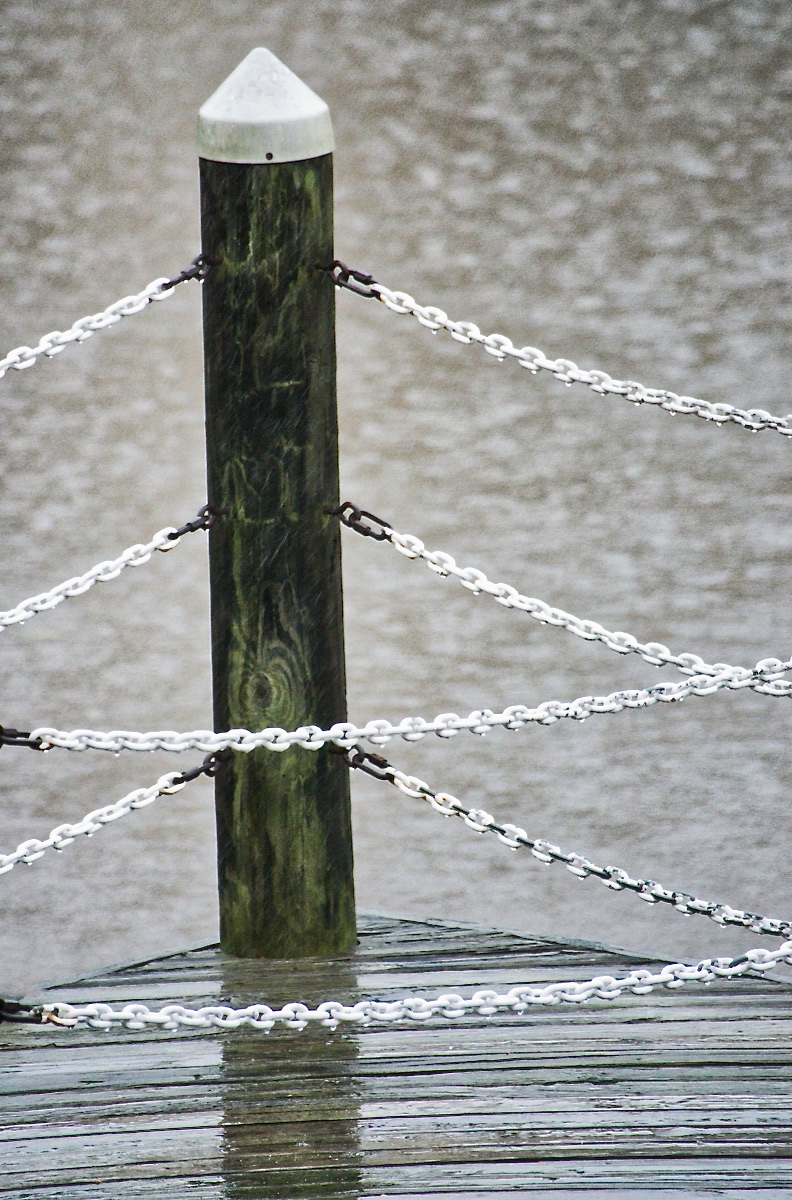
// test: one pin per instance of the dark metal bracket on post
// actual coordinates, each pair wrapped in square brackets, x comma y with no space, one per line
[283,820]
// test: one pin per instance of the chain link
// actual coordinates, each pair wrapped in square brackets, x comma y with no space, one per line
[764,677]
[514,836]
[484,1003]
[379,732]
[63,835]
[103,572]
[19,737]
[501,348]
[347,277]
[53,343]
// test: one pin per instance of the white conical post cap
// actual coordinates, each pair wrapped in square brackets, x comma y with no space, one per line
[263,113]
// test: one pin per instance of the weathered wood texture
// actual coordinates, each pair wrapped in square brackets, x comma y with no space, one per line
[284,826]
[685,1092]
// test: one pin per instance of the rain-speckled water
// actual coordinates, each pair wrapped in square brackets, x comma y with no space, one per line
[608,181]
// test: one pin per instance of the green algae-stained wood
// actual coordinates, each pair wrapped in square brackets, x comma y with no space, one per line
[283,819]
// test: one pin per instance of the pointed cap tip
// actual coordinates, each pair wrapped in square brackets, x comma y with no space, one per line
[263,113]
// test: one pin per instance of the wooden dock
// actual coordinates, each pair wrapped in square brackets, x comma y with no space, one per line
[687,1091]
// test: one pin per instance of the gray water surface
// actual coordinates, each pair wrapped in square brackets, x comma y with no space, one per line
[609,181]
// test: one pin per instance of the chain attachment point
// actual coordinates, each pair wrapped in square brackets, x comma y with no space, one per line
[199,268]
[355,518]
[206,518]
[211,766]
[15,1010]
[19,737]
[370,764]
[347,277]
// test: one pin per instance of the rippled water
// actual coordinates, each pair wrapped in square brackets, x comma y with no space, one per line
[608,181]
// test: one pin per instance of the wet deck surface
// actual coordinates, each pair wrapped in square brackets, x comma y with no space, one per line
[689,1090]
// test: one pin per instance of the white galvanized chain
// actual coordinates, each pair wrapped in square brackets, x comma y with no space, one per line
[758,678]
[103,572]
[379,732]
[501,348]
[64,835]
[331,1013]
[514,836]
[53,343]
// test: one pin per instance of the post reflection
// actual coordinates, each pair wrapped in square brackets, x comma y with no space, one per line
[290,1105]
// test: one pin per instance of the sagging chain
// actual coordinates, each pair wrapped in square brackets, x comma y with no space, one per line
[501,348]
[53,343]
[103,572]
[63,835]
[379,732]
[764,677]
[514,836]
[331,1013]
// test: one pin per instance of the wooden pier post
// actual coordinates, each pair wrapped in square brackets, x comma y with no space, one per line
[283,819]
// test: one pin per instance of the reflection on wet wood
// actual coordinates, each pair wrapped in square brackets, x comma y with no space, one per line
[686,1091]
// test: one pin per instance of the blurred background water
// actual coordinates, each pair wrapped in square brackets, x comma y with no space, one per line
[608,180]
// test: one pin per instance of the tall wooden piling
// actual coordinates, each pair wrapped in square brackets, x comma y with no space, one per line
[283,819]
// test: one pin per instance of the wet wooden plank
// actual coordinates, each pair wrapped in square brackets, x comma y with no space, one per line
[688,1088]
